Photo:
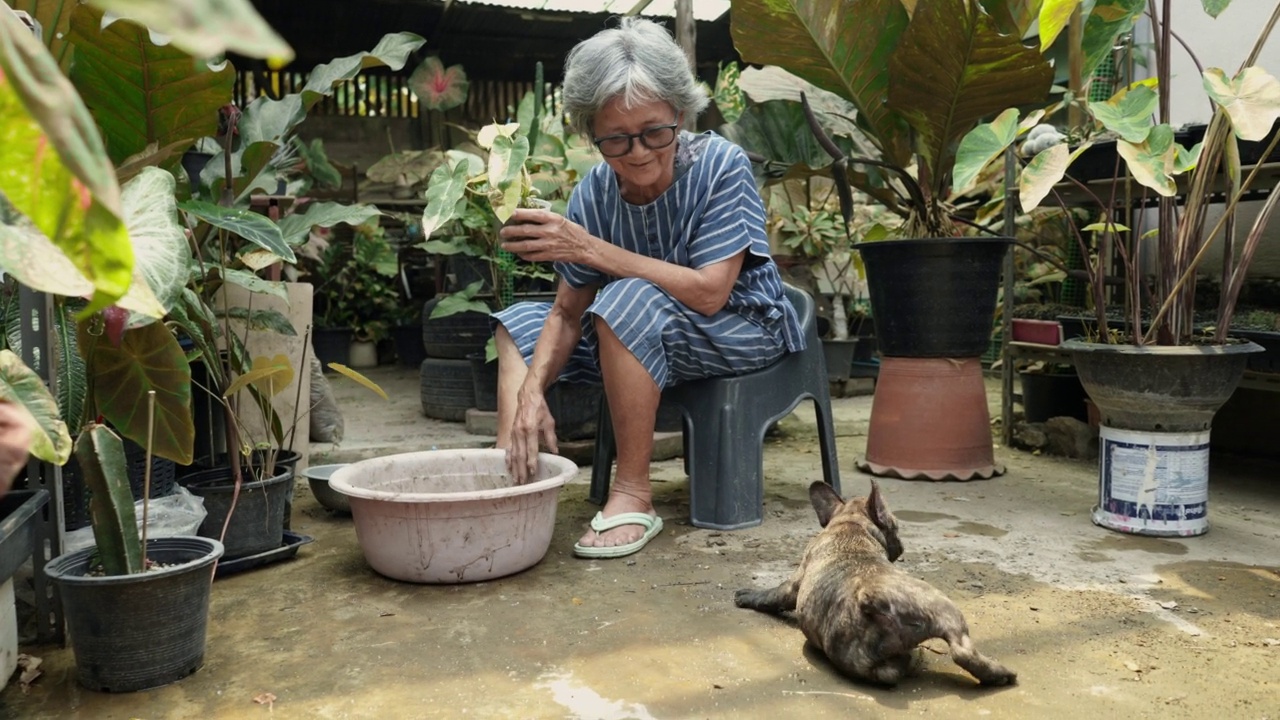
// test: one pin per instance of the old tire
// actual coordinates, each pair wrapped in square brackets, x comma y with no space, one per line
[447,389]
[456,336]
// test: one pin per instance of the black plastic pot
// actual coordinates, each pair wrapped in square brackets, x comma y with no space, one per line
[410,351]
[1049,395]
[75,494]
[575,408]
[485,377]
[332,345]
[134,632]
[839,357]
[257,523]
[934,297]
[1267,361]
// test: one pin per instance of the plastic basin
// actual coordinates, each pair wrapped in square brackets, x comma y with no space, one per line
[318,478]
[451,516]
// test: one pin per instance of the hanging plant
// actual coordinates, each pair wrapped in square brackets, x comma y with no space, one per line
[438,87]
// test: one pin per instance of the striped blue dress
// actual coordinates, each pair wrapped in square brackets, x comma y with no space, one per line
[711,212]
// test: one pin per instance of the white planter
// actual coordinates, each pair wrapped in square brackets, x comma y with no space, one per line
[364,354]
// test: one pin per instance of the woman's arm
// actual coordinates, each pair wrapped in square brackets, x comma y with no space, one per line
[546,237]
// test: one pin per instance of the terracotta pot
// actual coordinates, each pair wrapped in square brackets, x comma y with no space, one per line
[929,420]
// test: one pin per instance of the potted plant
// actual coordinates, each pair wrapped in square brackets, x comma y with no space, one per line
[922,76]
[1157,377]
[818,236]
[131,629]
[355,294]
[529,163]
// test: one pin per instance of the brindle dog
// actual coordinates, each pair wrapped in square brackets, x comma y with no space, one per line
[867,616]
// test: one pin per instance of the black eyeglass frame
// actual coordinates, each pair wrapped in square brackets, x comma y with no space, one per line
[632,137]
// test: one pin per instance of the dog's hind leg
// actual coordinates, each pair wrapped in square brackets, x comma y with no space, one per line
[774,600]
[987,670]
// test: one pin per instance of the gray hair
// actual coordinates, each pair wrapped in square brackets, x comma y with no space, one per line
[637,61]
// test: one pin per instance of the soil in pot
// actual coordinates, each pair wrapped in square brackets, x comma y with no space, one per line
[134,632]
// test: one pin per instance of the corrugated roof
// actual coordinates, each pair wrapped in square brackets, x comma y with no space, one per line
[491,39]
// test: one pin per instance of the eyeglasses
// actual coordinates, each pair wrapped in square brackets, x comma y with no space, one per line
[654,138]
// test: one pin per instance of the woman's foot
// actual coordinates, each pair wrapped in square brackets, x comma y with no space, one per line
[618,503]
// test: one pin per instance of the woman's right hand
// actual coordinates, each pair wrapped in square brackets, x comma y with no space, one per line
[533,422]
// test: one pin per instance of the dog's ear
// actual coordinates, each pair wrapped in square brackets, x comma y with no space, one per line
[826,501]
[884,520]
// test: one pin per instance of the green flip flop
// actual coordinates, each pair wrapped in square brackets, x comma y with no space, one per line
[652,525]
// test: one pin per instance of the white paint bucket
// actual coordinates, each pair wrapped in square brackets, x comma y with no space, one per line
[1153,483]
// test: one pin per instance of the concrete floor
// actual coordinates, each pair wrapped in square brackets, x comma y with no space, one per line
[1092,620]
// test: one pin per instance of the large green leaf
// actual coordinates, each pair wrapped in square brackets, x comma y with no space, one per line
[842,46]
[160,244]
[263,320]
[834,113]
[295,228]
[1251,99]
[1128,112]
[1108,20]
[1215,7]
[953,68]
[141,92]
[53,167]
[1015,17]
[506,164]
[73,382]
[445,196]
[100,455]
[19,384]
[1054,16]
[982,145]
[29,256]
[205,28]
[149,358]
[253,283]
[257,229]
[1152,162]
[1041,174]
[392,50]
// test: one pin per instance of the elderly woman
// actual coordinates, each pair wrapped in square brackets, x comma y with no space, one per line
[665,267]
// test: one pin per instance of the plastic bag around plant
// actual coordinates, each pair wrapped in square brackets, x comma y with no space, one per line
[176,515]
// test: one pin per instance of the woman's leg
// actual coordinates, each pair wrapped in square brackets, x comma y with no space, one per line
[633,406]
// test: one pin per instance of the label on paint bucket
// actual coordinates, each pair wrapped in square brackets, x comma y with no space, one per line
[1153,483]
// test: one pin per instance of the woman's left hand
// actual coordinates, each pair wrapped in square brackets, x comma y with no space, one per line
[543,236]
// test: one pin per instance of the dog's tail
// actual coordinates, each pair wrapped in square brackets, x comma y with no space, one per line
[987,670]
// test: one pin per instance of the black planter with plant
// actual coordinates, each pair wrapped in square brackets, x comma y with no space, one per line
[140,631]
[919,81]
